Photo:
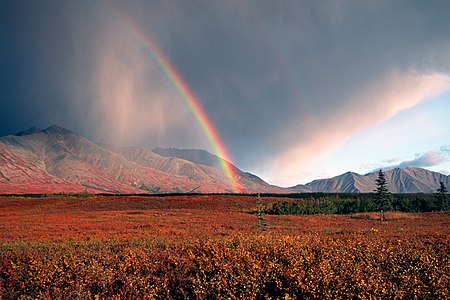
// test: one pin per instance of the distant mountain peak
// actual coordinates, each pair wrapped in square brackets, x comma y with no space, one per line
[55,129]
[29,131]
[350,173]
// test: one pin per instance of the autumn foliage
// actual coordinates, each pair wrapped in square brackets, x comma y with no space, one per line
[207,247]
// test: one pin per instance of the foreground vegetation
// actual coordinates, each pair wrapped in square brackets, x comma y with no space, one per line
[208,247]
[257,267]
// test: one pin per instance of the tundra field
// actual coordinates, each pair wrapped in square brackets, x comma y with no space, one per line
[210,247]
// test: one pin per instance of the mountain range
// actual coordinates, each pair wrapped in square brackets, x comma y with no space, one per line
[59,160]
[399,180]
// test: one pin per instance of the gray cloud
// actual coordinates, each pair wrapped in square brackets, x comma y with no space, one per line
[427,159]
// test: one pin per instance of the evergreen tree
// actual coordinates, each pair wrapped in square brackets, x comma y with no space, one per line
[383,196]
[441,196]
[263,223]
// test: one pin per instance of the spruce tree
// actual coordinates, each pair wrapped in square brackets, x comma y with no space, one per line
[383,196]
[441,196]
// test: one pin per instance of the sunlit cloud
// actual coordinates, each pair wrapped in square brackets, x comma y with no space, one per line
[369,106]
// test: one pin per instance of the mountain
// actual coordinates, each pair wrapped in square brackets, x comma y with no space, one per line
[56,159]
[400,180]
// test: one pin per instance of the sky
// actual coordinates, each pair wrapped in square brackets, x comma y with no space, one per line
[295,90]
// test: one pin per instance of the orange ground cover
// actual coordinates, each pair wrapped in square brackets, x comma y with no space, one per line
[209,247]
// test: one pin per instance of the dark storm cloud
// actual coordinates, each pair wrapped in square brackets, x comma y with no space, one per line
[46,64]
[272,75]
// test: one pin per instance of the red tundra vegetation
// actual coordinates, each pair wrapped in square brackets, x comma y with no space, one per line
[209,247]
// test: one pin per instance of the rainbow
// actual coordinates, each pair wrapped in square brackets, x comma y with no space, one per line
[186,95]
